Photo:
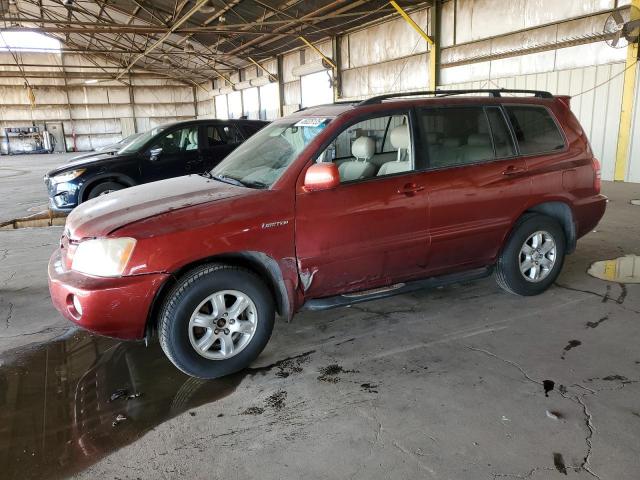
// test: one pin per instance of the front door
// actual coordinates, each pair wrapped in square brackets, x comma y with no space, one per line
[172,154]
[371,230]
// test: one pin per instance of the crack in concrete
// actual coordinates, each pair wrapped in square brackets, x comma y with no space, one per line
[619,301]
[9,315]
[513,364]
[586,463]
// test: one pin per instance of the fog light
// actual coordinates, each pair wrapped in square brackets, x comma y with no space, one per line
[77,305]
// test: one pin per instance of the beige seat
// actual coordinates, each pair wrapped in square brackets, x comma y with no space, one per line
[363,149]
[477,149]
[401,140]
[193,140]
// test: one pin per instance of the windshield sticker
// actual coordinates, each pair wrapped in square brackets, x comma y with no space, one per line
[311,122]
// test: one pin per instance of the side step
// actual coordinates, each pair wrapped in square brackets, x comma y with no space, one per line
[396,289]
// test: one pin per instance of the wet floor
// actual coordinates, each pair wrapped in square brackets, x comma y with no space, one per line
[66,404]
[621,270]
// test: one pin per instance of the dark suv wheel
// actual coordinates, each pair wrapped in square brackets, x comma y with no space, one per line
[216,320]
[103,189]
[533,256]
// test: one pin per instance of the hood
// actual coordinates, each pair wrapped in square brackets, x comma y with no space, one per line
[93,160]
[92,154]
[103,215]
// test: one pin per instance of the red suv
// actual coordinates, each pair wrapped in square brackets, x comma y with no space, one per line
[331,206]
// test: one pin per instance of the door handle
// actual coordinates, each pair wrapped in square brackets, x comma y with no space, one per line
[513,170]
[410,189]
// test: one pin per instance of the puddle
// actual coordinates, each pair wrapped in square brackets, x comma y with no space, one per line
[42,219]
[67,404]
[621,270]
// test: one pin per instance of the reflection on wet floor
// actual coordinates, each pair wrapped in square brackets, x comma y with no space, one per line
[622,270]
[57,415]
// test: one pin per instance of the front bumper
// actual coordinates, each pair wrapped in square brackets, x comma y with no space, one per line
[115,307]
[63,197]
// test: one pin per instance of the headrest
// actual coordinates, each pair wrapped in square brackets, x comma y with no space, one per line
[363,147]
[479,140]
[432,137]
[400,137]
[483,127]
[193,136]
[451,142]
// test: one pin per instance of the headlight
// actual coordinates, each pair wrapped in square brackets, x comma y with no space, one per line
[67,176]
[103,257]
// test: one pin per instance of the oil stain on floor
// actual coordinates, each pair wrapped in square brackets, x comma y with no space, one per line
[66,404]
[621,270]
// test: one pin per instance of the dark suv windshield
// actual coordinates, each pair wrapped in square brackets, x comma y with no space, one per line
[262,159]
[141,140]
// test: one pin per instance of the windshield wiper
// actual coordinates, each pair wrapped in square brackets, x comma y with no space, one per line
[229,180]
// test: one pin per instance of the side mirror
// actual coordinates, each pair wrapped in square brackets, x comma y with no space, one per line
[154,153]
[321,176]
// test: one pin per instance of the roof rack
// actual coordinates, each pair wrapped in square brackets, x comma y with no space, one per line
[344,102]
[494,92]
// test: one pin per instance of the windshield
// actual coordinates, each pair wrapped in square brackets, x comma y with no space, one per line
[264,157]
[142,138]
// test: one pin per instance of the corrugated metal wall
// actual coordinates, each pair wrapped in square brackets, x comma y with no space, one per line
[596,101]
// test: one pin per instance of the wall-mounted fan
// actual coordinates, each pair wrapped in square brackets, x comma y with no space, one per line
[620,30]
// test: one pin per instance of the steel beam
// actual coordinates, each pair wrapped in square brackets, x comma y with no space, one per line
[628,94]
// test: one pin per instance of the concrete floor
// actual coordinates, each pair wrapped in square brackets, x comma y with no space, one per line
[442,384]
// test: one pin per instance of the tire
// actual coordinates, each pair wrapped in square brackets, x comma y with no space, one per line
[196,294]
[515,256]
[103,189]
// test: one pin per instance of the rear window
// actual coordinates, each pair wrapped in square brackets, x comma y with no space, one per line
[535,129]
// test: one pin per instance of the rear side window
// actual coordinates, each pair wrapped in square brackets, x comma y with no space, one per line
[251,129]
[461,135]
[535,129]
[222,135]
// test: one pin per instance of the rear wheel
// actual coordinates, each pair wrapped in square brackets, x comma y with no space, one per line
[216,321]
[103,189]
[532,257]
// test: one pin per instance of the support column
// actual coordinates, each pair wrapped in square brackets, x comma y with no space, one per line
[628,95]
[133,106]
[280,84]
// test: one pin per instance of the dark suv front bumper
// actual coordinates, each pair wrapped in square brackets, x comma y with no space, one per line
[63,196]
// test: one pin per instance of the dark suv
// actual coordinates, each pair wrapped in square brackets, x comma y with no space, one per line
[170,150]
[330,206]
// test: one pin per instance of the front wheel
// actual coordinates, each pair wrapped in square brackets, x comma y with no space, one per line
[216,321]
[533,256]
[104,188]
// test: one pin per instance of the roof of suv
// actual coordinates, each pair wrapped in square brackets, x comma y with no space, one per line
[438,96]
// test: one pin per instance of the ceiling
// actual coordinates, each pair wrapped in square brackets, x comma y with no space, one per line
[191,40]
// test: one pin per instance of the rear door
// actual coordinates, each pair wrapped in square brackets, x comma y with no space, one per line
[477,184]
[219,140]
[371,230]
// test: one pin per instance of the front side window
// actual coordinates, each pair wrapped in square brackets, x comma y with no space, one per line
[177,141]
[372,148]
[456,135]
[535,129]
[263,158]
